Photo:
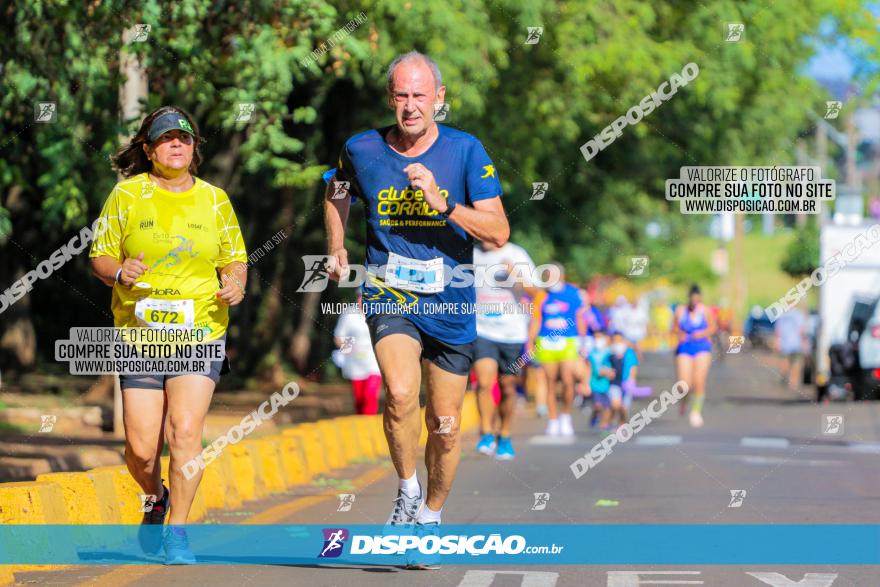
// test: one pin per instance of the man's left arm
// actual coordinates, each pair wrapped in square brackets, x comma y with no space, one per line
[486,221]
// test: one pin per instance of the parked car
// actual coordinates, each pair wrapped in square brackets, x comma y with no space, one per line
[855,363]
[869,357]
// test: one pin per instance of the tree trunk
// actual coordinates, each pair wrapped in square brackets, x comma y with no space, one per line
[301,343]
[19,336]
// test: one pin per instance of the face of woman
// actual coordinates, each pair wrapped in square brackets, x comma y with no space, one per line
[172,152]
[694,300]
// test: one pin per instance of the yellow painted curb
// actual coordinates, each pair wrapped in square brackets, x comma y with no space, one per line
[214,487]
[243,472]
[267,463]
[470,416]
[311,448]
[423,431]
[114,486]
[6,575]
[33,502]
[332,443]
[292,460]
[225,468]
[78,496]
[364,431]
[351,446]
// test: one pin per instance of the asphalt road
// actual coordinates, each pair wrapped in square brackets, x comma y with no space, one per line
[758,438]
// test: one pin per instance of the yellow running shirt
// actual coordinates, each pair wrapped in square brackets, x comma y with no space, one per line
[186,237]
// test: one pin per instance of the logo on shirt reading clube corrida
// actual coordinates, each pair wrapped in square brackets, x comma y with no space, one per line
[406,202]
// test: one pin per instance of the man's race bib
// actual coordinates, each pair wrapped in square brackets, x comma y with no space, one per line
[414,274]
[166,314]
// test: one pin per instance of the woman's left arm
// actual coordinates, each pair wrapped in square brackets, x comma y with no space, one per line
[234,279]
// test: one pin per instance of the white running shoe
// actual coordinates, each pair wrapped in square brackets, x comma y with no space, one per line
[405,509]
[552,428]
[696,419]
[565,426]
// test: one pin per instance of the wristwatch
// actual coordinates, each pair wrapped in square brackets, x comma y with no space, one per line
[450,206]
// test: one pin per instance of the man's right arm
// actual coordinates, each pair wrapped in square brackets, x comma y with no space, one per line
[335,220]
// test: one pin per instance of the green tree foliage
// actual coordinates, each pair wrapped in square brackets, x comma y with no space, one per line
[802,255]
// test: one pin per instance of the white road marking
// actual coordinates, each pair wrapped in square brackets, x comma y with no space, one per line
[864,447]
[764,442]
[632,579]
[762,460]
[552,440]
[809,580]
[658,440]
[529,578]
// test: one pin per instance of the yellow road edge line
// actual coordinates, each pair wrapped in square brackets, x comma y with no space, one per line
[274,514]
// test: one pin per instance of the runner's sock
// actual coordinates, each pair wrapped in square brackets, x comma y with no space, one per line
[697,405]
[428,516]
[410,486]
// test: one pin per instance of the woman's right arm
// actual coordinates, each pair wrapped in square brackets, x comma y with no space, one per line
[680,334]
[106,267]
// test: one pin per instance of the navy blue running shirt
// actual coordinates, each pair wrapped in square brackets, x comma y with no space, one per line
[411,246]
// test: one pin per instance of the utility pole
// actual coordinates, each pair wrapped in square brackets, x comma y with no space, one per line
[738,304]
[132,96]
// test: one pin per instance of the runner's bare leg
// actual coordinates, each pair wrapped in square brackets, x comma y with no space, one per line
[445,398]
[487,371]
[400,364]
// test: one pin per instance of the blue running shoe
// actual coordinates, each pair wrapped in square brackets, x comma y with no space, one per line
[487,444]
[505,450]
[415,560]
[177,550]
[149,537]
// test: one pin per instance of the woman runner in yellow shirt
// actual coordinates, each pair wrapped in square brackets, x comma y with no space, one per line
[170,235]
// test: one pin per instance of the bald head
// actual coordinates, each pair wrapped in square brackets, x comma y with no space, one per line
[414,89]
[416,58]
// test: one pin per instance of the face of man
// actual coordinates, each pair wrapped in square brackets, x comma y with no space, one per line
[172,152]
[413,97]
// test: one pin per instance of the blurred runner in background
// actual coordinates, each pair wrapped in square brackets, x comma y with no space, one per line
[790,341]
[694,326]
[601,374]
[625,363]
[357,360]
[557,324]
[502,330]
[534,379]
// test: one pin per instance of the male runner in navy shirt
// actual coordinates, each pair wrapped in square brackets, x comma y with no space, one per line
[429,190]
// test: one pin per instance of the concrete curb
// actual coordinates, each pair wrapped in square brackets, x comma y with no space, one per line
[252,469]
